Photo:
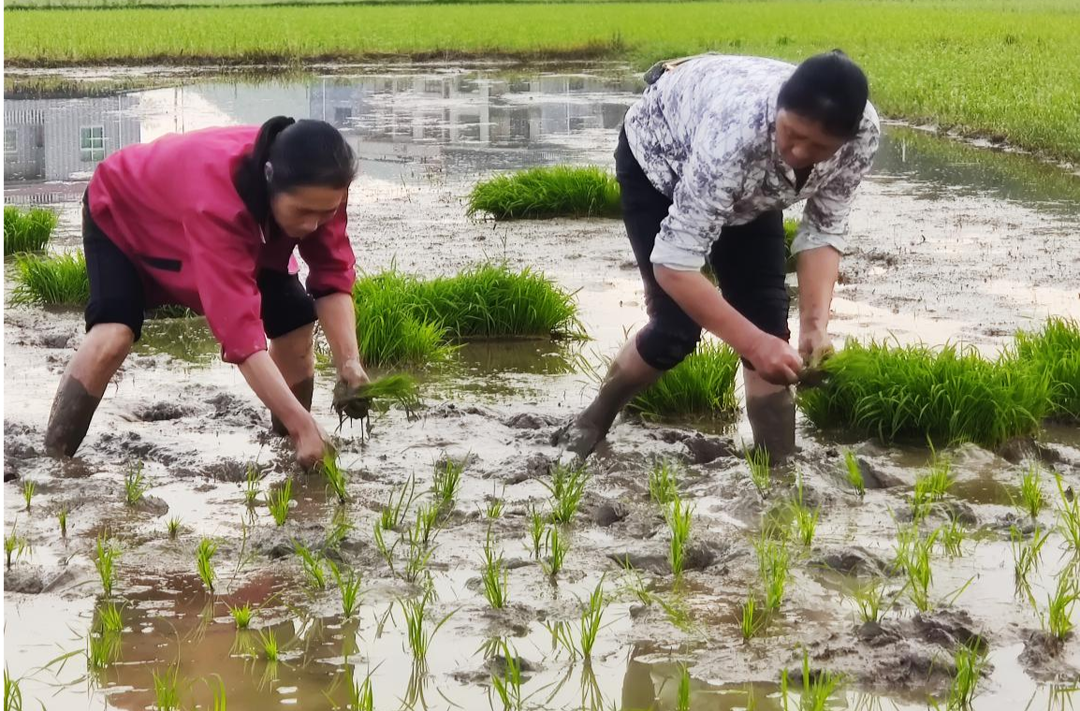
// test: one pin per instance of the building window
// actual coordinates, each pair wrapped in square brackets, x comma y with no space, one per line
[92,143]
[11,144]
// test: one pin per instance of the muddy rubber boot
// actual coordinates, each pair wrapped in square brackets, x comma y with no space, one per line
[69,419]
[303,392]
[772,419]
[628,376]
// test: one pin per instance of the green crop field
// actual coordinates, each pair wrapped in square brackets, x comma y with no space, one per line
[988,68]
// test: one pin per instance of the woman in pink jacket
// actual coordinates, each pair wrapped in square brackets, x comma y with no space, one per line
[209,220]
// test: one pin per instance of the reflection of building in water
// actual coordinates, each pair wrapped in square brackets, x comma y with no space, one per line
[64,139]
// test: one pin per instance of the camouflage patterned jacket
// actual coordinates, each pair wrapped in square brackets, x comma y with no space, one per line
[705,135]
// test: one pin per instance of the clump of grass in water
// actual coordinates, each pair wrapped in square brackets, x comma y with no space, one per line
[817,689]
[204,562]
[27,231]
[417,558]
[805,518]
[557,546]
[28,490]
[102,650]
[774,564]
[760,470]
[947,394]
[242,615]
[398,389]
[270,650]
[14,546]
[426,526]
[1031,499]
[493,574]
[1058,618]
[1068,516]
[418,636]
[682,694]
[446,484]
[135,485]
[173,527]
[336,477]
[62,518]
[931,486]
[952,536]
[537,524]
[969,661]
[664,481]
[494,508]
[702,385]
[869,599]
[389,329]
[51,281]
[854,473]
[251,485]
[362,695]
[508,684]
[348,585]
[12,693]
[591,618]
[278,502]
[1026,557]
[567,488]
[554,191]
[106,554]
[752,618]
[1055,353]
[109,618]
[167,690]
[679,516]
[312,564]
[393,514]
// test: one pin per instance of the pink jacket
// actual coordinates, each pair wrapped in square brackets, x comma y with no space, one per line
[172,208]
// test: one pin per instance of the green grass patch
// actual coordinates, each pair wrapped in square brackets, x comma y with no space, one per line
[556,191]
[945,394]
[1055,351]
[58,280]
[998,70]
[27,230]
[703,385]
[401,319]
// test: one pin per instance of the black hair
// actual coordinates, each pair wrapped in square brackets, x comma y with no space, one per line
[830,89]
[290,154]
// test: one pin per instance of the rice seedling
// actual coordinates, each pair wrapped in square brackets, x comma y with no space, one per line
[387,552]
[106,554]
[682,694]
[348,585]
[774,564]
[805,518]
[135,485]
[869,599]
[398,389]
[664,481]
[591,618]
[338,530]
[278,502]
[393,514]
[760,469]
[508,684]
[102,650]
[312,565]
[62,518]
[1058,618]
[537,527]
[252,480]
[1031,499]
[167,690]
[567,488]
[817,689]
[27,231]
[220,701]
[854,473]
[172,527]
[28,489]
[447,483]
[494,576]
[58,280]
[702,385]
[969,661]
[417,558]
[1068,523]
[752,617]
[1055,353]
[426,526]
[557,546]
[679,516]
[906,539]
[494,508]
[1026,557]
[418,636]
[12,693]
[919,573]
[362,695]
[271,652]
[204,562]
[336,477]
[109,618]
[550,191]
[14,546]
[952,536]
[389,330]
[948,394]
[931,486]
[242,615]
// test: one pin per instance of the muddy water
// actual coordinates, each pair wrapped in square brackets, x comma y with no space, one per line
[949,242]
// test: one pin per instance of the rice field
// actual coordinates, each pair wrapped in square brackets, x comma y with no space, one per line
[558,191]
[1022,89]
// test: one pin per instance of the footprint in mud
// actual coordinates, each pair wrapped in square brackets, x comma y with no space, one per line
[162,411]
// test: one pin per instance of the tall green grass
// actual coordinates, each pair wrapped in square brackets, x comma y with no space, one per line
[1055,351]
[703,385]
[58,280]
[556,191]
[949,394]
[403,319]
[27,231]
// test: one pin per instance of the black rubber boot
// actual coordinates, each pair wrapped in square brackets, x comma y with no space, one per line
[627,376]
[303,392]
[772,419]
[69,419]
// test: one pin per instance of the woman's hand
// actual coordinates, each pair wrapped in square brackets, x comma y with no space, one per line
[311,443]
[351,377]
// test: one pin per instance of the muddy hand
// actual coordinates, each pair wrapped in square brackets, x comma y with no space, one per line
[311,444]
[348,403]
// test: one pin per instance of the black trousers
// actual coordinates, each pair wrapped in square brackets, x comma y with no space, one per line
[749,262]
